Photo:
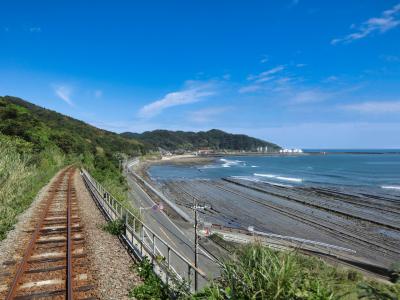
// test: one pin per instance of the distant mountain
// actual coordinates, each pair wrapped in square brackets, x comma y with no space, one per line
[213,139]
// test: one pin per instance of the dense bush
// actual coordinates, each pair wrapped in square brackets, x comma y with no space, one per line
[152,287]
[115,227]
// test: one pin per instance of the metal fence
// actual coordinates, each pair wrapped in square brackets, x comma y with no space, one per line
[172,267]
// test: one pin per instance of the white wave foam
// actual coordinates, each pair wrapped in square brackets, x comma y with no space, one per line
[255,166]
[265,175]
[391,187]
[228,163]
[291,179]
[252,179]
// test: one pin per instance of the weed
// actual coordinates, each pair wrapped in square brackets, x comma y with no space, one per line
[115,227]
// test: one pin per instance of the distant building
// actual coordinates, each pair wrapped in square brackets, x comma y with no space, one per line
[204,151]
[290,151]
[262,149]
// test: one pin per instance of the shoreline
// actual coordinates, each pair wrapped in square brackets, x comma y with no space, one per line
[372,229]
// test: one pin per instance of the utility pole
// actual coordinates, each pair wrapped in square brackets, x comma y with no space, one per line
[195,243]
[196,238]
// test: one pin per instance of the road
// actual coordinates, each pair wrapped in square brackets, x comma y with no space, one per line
[180,239]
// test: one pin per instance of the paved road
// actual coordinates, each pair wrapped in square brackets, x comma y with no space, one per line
[180,239]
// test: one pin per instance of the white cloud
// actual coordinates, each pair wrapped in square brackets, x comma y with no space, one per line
[264,59]
[193,91]
[266,75]
[35,29]
[250,89]
[64,92]
[310,96]
[374,107]
[388,20]
[331,78]
[207,114]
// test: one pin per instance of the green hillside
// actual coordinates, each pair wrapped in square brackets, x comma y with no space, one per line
[45,127]
[213,139]
[36,142]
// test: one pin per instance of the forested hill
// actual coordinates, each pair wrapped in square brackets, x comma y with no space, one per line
[213,139]
[43,127]
[35,143]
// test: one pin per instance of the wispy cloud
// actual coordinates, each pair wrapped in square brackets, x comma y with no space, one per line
[264,59]
[64,92]
[374,107]
[266,75]
[250,88]
[193,91]
[207,114]
[388,20]
[310,96]
[35,29]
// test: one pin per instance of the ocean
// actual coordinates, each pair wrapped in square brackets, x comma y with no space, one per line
[366,173]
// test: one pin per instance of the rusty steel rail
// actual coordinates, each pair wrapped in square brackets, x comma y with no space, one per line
[28,252]
[69,241]
[171,266]
[44,271]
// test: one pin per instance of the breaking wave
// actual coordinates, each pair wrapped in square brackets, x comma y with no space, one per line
[291,179]
[391,187]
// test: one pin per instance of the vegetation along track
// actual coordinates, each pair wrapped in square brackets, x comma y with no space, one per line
[53,265]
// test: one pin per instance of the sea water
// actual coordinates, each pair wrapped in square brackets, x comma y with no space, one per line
[370,173]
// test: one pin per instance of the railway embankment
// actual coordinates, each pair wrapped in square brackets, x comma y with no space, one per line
[58,248]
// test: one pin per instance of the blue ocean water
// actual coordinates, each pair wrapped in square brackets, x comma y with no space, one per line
[379,173]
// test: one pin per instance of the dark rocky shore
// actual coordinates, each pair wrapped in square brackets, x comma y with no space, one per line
[368,224]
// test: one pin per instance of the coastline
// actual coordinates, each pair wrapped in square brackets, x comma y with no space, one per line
[324,215]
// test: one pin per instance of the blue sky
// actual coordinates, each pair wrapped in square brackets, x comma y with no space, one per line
[312,74]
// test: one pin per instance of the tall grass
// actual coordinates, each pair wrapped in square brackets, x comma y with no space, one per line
[22,174]
[257,272]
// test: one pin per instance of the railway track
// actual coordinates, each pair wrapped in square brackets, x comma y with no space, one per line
[53,265]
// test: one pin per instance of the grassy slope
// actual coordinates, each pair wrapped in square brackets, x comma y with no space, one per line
[257,272]
[23,173]
[36,142]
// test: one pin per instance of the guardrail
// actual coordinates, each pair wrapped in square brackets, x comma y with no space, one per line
[172,267]
[178,210]
[298,241]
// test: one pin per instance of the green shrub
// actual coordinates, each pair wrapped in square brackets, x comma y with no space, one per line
[395,272]
[116,227]
[375,291]
[152,287]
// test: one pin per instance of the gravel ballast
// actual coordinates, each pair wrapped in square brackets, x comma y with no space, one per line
[109,260]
